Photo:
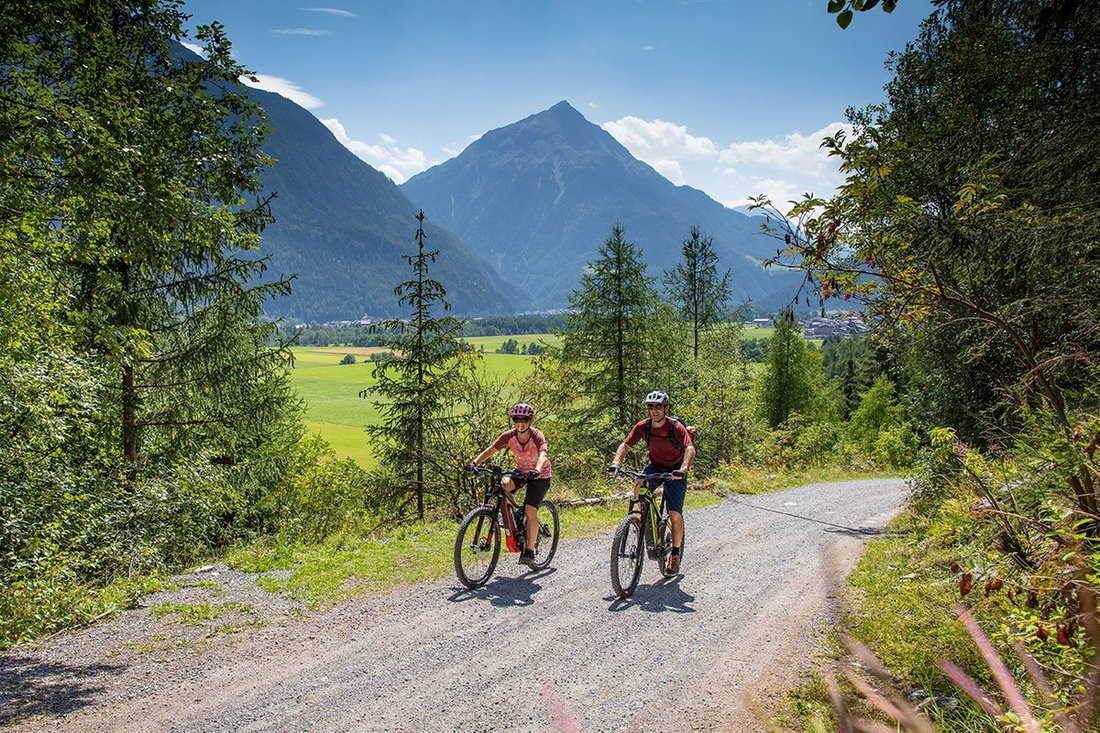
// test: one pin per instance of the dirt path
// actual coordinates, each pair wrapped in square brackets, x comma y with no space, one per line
[528,652]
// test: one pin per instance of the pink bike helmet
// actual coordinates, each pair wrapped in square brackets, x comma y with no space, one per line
[521,409]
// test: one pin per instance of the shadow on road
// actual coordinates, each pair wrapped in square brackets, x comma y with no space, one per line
[858,532]
[506,591]
[659,597]
[31,687]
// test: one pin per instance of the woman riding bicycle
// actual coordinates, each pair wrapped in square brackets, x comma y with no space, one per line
[670,451]
[528,446]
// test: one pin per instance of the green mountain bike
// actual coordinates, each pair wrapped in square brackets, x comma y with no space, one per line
[645,530]
[477,546]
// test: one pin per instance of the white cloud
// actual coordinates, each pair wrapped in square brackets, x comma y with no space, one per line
[333,11]
[795,152]
[782,169]
[285,87]
[659,140]
[397,163]
[670,169]
[301,32]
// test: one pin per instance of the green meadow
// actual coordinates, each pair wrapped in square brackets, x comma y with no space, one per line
[331,389]
[492,343]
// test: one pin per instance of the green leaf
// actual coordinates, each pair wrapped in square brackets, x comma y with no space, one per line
[835,6]
[844,19]
[889,5]
[868,4]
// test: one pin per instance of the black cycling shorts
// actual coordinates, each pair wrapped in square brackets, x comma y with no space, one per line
[536,491]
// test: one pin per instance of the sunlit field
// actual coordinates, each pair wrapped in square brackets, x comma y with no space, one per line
[331,389]
[492,343]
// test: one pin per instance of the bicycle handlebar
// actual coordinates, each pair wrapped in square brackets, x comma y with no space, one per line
[486,470]
[497,472]
[672,475]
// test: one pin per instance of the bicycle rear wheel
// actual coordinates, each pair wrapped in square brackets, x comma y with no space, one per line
[627,556]
[546,543]
[666,547]
[477,547]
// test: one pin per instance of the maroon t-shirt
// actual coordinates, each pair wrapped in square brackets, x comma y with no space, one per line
[662,453]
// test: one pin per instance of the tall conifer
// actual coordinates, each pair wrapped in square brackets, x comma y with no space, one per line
[694,287]
[614,331]
[412,387]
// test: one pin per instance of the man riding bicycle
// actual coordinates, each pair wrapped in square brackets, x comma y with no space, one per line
[528,446]
[671,450]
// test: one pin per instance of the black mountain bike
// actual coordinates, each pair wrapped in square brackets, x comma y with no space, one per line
[645,530]
[477,546]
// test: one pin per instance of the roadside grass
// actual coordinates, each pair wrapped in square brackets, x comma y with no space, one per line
[350,563]
[900,605]
[347,565]
[29,612]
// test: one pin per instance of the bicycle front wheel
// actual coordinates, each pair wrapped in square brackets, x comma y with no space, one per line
[477,547]
[546,542]
[666,547]
[627,556]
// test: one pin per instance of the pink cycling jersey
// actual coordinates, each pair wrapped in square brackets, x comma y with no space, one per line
[526,454]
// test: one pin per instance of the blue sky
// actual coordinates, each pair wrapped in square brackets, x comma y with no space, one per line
[729,96]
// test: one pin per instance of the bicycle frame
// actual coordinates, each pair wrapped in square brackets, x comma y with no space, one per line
[497,499]
[651,510]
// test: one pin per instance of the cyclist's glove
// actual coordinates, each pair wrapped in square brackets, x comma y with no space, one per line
[531,475]
[613,469]
[471,466]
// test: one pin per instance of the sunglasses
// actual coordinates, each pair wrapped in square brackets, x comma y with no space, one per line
[654,407]
[521,419]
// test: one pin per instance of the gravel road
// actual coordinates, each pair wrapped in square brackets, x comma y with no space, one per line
[554,650]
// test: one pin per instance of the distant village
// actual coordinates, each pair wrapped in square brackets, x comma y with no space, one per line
[812,327]
[820,327]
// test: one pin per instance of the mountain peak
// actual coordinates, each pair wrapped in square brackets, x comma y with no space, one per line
[563,111]
[559,128]
[536,198]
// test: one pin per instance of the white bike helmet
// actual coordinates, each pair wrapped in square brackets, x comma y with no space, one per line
[656,397]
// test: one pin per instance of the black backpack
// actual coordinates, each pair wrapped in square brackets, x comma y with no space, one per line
[672,423]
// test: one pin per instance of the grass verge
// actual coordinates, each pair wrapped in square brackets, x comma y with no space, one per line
[350,564]
[899,604]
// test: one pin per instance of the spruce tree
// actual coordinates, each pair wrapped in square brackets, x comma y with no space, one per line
[787,385]
[413,385]
[132,344]
[136,203]
[694,287]
[614,331]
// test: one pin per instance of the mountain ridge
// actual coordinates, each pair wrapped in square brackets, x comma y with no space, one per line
[342,227]
[536,198]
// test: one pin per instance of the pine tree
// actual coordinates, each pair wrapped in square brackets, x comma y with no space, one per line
[614,331]
[787,385]
[694,287]
[412,387]
[134,171]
